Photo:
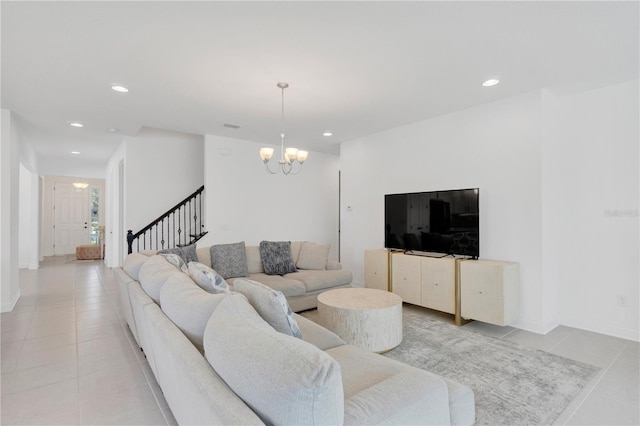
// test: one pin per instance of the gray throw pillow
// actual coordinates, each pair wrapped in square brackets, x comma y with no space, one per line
[271,304]
[187,253]
[276,257]
[229,260]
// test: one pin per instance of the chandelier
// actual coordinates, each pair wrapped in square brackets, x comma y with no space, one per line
[288,157]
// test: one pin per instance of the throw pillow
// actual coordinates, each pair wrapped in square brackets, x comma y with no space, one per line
[284,380]
[270,304]
[176,261]
[313,256]
[187,253]
[230,260]
[276,257]
[207,278]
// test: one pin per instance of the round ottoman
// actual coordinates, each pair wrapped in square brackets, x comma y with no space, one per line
[363,317]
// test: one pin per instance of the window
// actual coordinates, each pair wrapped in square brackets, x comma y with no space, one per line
[95,203]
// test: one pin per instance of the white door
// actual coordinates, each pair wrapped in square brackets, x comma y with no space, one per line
[71,218]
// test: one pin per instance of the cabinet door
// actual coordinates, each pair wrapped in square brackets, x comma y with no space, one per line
[405,278]
[376,269]
[482,292]
[438,284]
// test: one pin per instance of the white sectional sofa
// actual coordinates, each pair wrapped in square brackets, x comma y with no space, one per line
[218,361]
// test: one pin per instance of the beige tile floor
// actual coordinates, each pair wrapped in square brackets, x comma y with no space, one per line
[68,358]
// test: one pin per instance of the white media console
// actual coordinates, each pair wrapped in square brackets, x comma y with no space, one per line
[482,290]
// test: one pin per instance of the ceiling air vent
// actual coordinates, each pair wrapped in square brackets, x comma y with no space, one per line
[231,126]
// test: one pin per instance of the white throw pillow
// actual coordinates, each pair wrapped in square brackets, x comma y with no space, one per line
[313,256]
[207,278]
[271,304]
[176,261]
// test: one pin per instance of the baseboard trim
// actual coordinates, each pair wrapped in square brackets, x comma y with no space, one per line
[8,307]
[609,330]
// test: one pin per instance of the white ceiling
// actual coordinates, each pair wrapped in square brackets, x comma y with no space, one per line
[354,68]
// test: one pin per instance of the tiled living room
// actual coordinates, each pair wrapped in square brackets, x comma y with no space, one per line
[454,239]
[68,357]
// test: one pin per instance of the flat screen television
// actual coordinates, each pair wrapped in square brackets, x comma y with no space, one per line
[444,222]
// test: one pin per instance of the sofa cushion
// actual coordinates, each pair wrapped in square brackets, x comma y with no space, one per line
[153,274]
[276,257]
[132,264]
[229,260]
[295,249]
[289,287]
[313,256]
[317,335]
[254,260]
[368,380]
[204,255]
[187,253]
[283,380]
[188,306]
[271,304]
[320,280]
[176,261]
[208,279]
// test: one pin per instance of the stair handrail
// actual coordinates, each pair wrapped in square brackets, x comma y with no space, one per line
[131,236]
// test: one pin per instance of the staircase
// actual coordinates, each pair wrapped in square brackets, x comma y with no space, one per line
[180,226]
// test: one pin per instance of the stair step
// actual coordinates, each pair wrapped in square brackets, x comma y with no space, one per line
[194,238]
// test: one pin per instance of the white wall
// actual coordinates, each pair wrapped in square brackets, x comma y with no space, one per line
[28,220]
[72,166]
[114,228]
[9,185]
[493,147]
[245,203]
[548,167]
[161,169]
[30,208]
[590,186]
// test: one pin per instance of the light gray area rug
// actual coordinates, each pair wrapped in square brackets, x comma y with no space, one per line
[513,385]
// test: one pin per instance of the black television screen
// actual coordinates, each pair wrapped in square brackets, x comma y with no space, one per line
[437,221]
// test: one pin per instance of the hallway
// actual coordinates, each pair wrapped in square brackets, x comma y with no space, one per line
[67,358]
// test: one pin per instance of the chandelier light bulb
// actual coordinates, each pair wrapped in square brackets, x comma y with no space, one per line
[266,154]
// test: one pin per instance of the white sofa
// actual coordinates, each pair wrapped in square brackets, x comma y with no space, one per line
[218,361]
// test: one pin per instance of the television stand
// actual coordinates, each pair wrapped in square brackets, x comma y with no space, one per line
[470,289]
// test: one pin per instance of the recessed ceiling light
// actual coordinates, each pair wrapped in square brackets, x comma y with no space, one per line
[491,82]
[75,152]
[327,134]
[75,124]
[119,88]
[114,130]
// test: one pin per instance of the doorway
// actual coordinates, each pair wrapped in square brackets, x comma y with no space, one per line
[71,223]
